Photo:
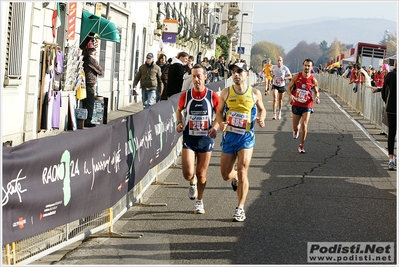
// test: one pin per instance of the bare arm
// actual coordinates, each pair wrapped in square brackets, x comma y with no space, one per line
[219,112]
[179,126]
[316,90]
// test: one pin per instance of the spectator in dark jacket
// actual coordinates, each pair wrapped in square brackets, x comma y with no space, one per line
[176,73]
[388,94]
[221,68]
[149,75]
[91,69]
[162,63]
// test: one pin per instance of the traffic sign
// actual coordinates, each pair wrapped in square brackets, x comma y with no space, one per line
[241,50]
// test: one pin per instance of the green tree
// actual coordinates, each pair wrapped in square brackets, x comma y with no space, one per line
[224,44]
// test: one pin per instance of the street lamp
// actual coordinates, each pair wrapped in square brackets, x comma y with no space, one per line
[242,20]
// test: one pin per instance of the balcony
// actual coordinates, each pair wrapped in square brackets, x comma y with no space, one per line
[234,8]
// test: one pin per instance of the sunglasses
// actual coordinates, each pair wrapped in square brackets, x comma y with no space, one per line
[238,71]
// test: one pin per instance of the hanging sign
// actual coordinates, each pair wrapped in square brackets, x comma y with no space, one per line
[169,37]
[170,25]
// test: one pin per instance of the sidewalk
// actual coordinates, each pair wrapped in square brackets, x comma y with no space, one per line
[339,191]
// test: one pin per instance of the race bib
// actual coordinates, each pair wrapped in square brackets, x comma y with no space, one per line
[198,125]
[237,122]
[301,95]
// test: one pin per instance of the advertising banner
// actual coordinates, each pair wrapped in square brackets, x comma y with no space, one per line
[54,180]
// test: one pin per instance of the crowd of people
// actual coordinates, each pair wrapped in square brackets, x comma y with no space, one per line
[381,81]
[165,77]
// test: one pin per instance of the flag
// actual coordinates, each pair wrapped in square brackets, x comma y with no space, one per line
[56,19]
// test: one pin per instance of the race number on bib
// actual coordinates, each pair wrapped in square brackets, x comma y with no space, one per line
[301,95]
[198,125]
[237,122]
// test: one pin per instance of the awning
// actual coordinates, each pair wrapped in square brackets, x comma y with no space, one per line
[98,27]
[349,59]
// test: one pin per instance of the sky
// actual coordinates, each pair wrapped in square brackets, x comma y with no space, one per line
[286,11]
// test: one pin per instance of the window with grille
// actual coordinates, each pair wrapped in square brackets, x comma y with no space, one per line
[15,31]
[132,51]
[103,46]
[117,57]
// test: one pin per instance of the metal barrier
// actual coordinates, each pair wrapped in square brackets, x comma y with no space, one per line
[28,250]
[367,104]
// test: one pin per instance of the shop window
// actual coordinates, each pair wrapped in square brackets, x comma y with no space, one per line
[15,30]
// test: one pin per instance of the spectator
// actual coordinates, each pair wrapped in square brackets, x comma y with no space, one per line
[149,75]
[91,69]
[379,78]
[199,58]
[187,83]
[162,63]
[348,71]
[320,69]
[212,61]
[164,79]
[176,73]
[221,68]
[388,95]
[340,70]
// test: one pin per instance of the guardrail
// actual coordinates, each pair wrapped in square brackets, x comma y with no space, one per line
[366,103]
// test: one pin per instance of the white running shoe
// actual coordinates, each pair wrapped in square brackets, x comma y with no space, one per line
[301,150]
[239,215]
[274,116]
[295,134]
[279,114]
[199,207]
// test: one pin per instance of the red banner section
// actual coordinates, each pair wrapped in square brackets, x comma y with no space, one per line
[71,20]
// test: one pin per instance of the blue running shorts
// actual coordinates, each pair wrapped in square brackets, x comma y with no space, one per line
[233,142]
[201,145]
[300,110]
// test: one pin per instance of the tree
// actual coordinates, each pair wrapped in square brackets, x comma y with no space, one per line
[293,60]
[263,50]
[391,44]
[224,47]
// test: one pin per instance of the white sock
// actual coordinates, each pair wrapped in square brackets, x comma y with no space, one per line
[241,207]
[199,201]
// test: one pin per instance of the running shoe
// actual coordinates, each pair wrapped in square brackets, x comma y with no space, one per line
[274,116]
[239,215]
[391,165]
[295,134]
[234,184]
[199,207]
[279,114]
[301,150]
[192,191]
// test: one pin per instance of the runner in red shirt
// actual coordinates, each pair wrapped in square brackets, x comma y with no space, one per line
[300,91]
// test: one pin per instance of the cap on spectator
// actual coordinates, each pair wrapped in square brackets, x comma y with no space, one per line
[240,65]
[150,55]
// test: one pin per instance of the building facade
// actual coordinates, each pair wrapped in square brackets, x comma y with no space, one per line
[31,42]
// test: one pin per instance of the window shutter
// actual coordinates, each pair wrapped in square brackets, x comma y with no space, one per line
[15,31]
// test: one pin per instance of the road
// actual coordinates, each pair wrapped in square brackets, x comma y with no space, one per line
[339,191]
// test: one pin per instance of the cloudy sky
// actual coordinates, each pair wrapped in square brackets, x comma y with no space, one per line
[285,11]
